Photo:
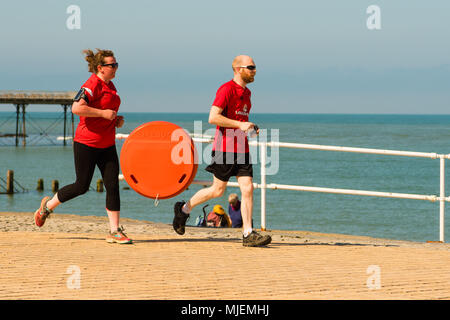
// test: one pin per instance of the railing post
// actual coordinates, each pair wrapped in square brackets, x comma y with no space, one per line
[442,199]
[263,154]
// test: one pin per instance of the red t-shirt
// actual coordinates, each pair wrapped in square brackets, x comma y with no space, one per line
[94,131]
[235,104]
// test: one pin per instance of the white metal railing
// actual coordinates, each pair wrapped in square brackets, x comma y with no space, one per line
[263,185]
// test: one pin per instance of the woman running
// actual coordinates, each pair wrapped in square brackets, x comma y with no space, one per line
[96,104]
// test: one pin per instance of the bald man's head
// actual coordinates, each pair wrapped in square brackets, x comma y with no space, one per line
[244,74]
[241,60]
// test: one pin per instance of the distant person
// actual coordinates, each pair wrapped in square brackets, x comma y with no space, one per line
[230,155]
[96,104]
[218,218]
[234,210]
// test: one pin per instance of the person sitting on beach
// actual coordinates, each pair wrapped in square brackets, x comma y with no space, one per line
[94,144]
[218,218]
[234,210]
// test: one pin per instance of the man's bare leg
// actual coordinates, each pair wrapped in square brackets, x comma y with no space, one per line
[250,237]
[216,190]
[182,210]
[246,186]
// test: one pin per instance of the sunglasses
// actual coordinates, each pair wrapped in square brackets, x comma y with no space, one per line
[250,67]
[112,65]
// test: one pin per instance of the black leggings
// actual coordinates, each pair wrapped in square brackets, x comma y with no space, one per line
[86,158]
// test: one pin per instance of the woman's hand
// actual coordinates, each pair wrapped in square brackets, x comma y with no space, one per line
[109,114]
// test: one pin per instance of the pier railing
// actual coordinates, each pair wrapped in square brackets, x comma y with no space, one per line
[263,185]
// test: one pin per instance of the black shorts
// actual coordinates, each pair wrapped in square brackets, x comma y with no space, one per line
[226,164]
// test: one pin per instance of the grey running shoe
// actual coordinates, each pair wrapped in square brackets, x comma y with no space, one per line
[255,239]
[179,219]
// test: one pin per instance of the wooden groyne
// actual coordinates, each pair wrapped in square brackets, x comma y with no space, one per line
[10,185]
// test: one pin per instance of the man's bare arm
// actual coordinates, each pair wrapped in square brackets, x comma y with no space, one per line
[216,118]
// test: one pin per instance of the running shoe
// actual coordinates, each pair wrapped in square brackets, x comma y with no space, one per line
[118,237]
[180,218]
[255,239]
[42,213]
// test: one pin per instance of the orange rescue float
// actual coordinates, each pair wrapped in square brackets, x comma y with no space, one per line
[159,160]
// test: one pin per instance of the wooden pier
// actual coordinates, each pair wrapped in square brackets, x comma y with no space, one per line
[21,99]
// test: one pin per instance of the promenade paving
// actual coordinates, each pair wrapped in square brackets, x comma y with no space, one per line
[213,264]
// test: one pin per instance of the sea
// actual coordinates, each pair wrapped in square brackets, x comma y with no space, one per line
[45,157]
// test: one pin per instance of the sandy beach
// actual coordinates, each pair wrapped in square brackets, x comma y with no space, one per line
[210,263]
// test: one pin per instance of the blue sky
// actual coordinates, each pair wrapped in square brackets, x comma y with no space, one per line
[315,56]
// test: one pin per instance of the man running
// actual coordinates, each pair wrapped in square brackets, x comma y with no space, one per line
[230,154]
